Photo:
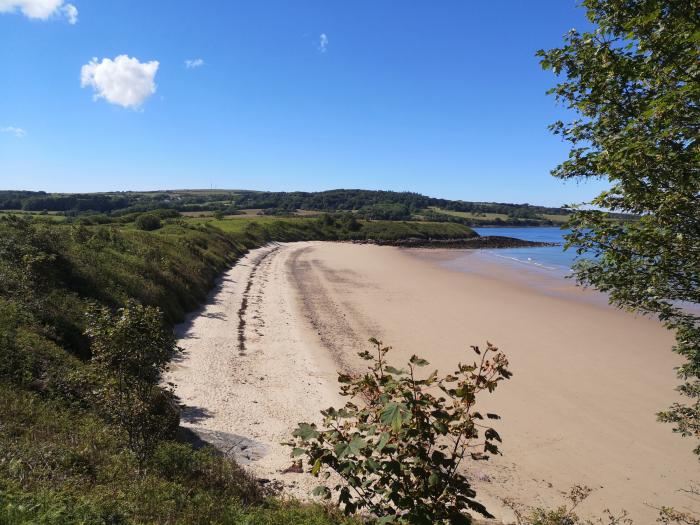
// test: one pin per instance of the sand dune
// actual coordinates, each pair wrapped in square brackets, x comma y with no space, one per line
[580,408]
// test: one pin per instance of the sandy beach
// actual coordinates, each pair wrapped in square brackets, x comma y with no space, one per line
[263,354]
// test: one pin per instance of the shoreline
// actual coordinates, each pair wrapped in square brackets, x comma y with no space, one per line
[466,243]
[580,408]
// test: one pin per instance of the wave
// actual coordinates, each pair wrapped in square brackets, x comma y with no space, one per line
[529,261]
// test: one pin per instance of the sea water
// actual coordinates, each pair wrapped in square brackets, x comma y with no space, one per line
[553,258]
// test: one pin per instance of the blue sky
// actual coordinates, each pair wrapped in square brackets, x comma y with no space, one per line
[443,98]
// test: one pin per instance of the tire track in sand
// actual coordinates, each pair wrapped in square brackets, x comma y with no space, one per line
[242,322]
[341,329]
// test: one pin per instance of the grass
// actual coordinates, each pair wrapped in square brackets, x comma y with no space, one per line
[47,216]
[61,466]
[558,219]
[491,217]
[253,212]
[471,215]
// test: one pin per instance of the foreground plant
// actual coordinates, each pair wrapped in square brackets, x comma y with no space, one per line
[399,442]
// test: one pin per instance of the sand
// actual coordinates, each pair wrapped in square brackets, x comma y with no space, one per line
[262,355]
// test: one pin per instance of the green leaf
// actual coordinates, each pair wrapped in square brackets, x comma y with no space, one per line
[321,491]
[373,465]
[440,427]
[392,415]
[317,467]
[395,371]
[431,378]
[433,479]
[306,432]
[356,445]
[341,449]
[415,360]
[383,440]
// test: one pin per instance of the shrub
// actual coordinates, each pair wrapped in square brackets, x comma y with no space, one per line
[148,222]
[131,349]
[400,448]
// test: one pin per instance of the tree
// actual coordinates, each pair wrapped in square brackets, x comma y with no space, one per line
[148,222]
[634,82]
[400,447]
[131,349]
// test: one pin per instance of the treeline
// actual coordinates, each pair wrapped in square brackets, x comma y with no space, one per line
[127,202]
[41,201]
[388,205]
[370,201]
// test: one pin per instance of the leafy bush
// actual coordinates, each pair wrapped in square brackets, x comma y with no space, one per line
[131,349]
[386,211]
[148,222]
[399,449]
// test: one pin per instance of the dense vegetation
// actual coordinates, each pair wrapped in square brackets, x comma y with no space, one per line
[366,204]
[376,201]
[634,82]
[87,434]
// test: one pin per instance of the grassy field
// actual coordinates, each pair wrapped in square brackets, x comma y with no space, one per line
[490,217]
[470,215]
[49,216]
[558,219]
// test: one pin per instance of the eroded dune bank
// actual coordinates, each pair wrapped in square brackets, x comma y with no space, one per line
[262,356]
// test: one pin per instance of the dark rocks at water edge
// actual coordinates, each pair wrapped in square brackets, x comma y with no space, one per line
[486,241]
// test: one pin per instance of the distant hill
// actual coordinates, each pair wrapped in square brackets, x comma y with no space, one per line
[368,204]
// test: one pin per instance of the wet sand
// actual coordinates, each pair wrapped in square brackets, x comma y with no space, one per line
[263,355]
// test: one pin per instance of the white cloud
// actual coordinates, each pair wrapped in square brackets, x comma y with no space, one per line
[71,13]
[194,63]
[123,81]
[41,9]
[17,132]
[322,42]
